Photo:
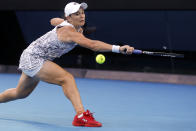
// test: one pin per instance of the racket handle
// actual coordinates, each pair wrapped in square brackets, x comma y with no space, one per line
[135,51]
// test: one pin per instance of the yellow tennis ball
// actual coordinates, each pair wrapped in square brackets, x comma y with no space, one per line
[100,59]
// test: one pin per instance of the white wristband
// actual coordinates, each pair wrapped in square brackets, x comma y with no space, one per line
[116,48]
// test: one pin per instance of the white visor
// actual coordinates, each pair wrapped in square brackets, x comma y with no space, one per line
[73,7]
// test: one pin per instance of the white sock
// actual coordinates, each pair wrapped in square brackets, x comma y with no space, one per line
[81,115]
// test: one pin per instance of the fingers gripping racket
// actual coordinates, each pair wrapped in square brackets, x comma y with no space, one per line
[164,54]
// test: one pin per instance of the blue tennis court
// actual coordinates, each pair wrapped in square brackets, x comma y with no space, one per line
[119,105]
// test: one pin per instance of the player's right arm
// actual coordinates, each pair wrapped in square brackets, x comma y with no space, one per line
[69,34]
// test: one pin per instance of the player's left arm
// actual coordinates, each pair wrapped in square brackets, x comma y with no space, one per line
[56,21]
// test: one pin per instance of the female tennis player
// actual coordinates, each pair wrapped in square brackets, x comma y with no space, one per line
[36,62]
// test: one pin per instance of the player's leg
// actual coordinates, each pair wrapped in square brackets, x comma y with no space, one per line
[25,86]
[52,73]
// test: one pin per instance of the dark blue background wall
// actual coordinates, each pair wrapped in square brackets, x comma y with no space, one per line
[174,30]
[98,4]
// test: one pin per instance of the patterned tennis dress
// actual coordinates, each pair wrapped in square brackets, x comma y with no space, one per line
[47,47]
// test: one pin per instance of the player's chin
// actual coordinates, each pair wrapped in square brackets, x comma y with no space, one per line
[82,23]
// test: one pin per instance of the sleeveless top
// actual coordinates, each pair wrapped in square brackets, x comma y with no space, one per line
[47,47]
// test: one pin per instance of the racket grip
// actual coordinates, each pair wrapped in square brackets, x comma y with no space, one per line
[135,51]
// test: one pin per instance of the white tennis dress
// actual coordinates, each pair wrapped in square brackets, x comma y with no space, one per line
[47,47]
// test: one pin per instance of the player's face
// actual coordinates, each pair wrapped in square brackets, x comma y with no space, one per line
[78,18]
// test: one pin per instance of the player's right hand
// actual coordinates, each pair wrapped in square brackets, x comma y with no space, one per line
[126,49]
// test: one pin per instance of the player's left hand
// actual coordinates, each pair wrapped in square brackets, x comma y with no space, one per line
[126,49]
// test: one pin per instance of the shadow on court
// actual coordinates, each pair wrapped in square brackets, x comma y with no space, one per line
[35,124]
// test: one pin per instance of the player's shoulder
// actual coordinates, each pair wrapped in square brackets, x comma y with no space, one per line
[66,30]
[66,27]
[65,23]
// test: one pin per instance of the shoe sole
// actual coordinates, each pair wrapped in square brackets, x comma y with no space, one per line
[87,125]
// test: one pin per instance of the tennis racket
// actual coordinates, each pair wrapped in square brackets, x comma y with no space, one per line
[164,54]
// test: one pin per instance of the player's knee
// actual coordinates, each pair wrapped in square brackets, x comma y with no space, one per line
[21,95]
[13,93]
[66,79]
